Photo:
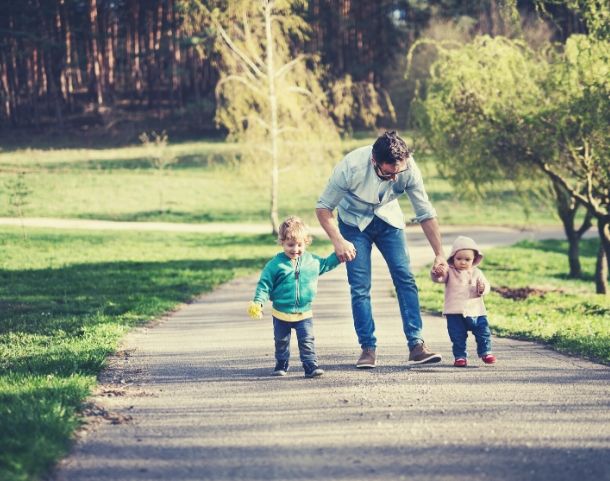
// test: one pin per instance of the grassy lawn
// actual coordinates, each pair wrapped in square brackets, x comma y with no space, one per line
[68,297]
[206,184]
[564,313]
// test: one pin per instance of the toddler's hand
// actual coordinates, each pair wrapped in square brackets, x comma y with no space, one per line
[480,287]
[255,310]
[439,270]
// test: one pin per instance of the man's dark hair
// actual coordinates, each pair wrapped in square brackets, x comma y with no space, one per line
[390,148]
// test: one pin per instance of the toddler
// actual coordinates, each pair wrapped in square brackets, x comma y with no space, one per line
[290,280]
[465,286]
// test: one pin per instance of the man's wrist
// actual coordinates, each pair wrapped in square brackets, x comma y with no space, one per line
[337,240]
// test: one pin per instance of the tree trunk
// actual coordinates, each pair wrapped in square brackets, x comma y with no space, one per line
[6,91]
[50,65]
[150,58]
[275,223]
[69,67]
[136,72]
[602,265]
[97,70]
[109,57]
[567,207]
[174,56]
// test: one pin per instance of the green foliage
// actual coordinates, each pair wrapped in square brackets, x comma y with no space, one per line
[496,109]
[359,103]
[563,313]
[596,14]
[66,300]
[269,96]
[155,146]
[160,156]
[121,184]
[575,120]
[267,87]
[473,110]
[18,192]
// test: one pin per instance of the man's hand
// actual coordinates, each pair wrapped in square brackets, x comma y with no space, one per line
[345,250]
[440,266]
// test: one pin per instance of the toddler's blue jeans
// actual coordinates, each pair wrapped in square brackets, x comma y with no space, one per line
[304,329]
[458,327]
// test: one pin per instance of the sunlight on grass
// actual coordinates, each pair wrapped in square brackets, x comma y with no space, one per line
[207,184]
[67,297]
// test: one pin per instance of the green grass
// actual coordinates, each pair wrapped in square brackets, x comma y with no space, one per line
[207,184]
[69,296]
[565,313]
[66,300]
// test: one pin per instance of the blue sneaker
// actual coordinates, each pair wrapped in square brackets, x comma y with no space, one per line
[312,369]
[281,368]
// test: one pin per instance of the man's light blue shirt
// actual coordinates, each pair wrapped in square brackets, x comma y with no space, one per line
[359,194]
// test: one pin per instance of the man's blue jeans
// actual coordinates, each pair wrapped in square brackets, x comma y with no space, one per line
[304,330]
[458,327]
[392,244]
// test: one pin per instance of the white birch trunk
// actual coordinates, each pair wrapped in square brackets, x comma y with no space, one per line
[273,124]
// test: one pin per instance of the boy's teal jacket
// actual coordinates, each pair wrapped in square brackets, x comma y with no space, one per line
[292,288]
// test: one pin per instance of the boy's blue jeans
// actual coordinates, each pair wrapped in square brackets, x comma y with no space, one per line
[458,327]
[392,244]
[304,330]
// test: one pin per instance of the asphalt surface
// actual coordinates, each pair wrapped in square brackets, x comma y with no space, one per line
[190,398]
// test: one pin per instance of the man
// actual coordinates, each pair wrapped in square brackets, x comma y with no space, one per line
[364,187]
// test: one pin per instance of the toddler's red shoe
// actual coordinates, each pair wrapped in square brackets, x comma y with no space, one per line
[489,359]
[461,362]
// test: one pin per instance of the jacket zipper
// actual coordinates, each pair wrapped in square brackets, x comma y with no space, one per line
[296,282]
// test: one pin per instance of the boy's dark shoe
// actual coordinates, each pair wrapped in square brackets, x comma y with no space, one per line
[368,358]
[489,359]
[312,369]
[281,368]
[420,354]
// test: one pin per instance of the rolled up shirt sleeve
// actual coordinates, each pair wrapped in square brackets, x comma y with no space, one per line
[337,187]
[419,197]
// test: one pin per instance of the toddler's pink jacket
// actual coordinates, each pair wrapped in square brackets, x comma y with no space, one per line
[461,295]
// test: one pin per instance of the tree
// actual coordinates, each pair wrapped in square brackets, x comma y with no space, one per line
[497,110]
[576,120]
[160,157]
[269,95]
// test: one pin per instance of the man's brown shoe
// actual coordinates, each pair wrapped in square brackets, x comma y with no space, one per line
[367,359]
[420,354]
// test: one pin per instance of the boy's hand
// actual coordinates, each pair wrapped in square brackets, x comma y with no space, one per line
[255,310]
[480,287]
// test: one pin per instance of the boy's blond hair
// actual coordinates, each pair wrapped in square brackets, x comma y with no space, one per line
[293,228]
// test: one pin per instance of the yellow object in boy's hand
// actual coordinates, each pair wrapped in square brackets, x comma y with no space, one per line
[255,310]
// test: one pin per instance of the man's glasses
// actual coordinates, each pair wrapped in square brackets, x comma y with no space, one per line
[386,175]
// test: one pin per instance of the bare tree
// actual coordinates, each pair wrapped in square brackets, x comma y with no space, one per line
[269,95]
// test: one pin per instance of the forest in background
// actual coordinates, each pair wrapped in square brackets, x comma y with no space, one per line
[112,65]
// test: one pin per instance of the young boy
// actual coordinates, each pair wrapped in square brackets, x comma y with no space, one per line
[290,280]
[465,286]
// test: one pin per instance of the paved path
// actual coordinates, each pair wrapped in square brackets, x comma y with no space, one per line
[193,400]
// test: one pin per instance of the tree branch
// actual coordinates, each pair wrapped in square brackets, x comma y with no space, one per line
[249,41]
[229,43]
[286,67]
[238,78]
[585,200]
